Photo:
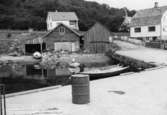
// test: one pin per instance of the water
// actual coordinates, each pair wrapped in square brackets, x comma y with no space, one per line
[21,77]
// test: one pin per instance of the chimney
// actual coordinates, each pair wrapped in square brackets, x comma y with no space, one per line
[156,5]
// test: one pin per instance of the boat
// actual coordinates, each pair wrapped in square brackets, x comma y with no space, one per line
[105,72]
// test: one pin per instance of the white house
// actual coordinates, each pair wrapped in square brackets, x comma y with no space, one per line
[70,19]
[150,24]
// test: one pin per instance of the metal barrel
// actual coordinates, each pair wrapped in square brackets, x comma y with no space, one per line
[80,89]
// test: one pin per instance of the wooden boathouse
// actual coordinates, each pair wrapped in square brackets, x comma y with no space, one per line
[97,39]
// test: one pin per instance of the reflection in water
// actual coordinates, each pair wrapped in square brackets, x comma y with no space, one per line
[20,77]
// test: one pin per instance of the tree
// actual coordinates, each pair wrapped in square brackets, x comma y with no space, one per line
[23,14]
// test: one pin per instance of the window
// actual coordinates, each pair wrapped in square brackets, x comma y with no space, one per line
[61,30]
[147,39]
[51,25]
[151,28]
[165,28]
[72,22]
[137,29]
[154,38]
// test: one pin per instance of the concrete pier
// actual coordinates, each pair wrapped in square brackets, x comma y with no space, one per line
[141,93]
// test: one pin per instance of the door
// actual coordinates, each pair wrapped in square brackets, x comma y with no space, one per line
[67,46]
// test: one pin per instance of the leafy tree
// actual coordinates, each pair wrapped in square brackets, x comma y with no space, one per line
[23,14]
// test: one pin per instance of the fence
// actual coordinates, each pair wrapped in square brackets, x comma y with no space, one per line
[2,100]
[156,44]
[129,40]
[153,44]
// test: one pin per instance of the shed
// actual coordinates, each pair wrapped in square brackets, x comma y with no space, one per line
[31,42]
[97,39]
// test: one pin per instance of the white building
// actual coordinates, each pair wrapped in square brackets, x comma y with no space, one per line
[150,24]
[70,19]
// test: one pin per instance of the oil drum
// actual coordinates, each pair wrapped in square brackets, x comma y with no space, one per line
[80,89]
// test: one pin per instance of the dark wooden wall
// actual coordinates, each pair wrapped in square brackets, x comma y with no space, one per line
[96,40]
[55,36]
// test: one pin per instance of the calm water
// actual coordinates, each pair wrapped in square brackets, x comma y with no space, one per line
[20,77]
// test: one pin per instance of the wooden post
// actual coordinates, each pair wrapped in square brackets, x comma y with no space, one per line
[41,47]
[2,100]
[0,103]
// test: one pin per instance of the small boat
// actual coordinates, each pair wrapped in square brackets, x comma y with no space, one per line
[105,72]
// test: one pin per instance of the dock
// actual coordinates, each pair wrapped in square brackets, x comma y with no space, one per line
[141,93]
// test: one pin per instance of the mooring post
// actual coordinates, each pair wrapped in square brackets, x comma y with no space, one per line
[2,100]
[80,89]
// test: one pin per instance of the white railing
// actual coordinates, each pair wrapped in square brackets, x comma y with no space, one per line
[130,40]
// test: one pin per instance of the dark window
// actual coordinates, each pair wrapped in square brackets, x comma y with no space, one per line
[154,38]
[72,22]
[137,29]
[147,38]
[9,35]
[139,38]
[62,30]
[151,28]
[51,25]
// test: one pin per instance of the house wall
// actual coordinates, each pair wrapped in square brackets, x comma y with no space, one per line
[52,24]
[96,40]
[164,26]
[55,36]
[161,30]
[68,46]
[144,32]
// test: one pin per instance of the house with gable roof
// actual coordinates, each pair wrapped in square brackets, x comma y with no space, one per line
[69,19]
[63,37]
[150,24]
[60,38]
[63,34]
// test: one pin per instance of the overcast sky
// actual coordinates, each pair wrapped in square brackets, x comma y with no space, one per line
[132,4]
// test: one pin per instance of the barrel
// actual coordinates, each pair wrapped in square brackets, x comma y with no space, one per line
[80,89]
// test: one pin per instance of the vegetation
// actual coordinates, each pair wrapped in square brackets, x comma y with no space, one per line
[25,14]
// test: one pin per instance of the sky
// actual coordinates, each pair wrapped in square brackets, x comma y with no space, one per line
[132,4]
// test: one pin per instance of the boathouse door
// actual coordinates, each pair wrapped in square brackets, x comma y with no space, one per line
[31,48]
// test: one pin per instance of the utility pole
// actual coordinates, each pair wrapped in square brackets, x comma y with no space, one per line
[161,41]
[161,15]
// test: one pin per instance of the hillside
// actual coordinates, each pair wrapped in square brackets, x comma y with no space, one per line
[24,14]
